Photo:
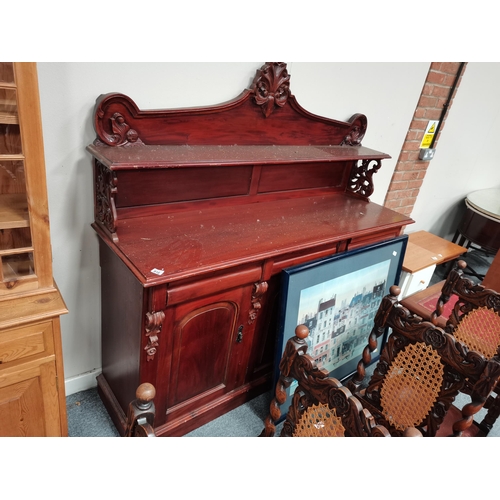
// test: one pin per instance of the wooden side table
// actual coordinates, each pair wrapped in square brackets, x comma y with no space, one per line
[424,252]
[424,302]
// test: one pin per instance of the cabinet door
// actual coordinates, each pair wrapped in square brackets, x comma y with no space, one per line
[29,404]
[208,348]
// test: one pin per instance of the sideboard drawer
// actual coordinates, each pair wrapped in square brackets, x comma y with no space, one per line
[26,341]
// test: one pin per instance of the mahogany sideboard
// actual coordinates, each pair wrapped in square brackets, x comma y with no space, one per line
[198,211]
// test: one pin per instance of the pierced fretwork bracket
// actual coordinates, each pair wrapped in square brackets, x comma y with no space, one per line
[106,188]
[360,180]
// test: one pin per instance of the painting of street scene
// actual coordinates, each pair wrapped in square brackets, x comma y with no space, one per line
[339,314]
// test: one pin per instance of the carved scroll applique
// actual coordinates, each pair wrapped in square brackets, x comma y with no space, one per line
[106,189]
[271,87]
[122,134]
[259,290]
[353,138]
[356,132]
[361,177]
[154,322]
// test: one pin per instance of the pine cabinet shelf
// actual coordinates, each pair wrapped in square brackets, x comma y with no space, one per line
[13,211]
[9,119]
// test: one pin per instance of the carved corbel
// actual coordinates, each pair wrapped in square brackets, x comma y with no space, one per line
[154,323]
[258,291]
[271,87]
[106,188]
[361,181]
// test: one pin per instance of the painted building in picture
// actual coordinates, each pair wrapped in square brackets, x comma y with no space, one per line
[339,331]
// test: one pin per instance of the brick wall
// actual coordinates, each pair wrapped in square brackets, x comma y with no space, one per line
[410,171]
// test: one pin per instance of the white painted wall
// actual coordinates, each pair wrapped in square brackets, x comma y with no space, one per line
[466,157]
[386,93]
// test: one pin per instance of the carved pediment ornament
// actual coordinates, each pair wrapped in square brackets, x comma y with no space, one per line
[271,87]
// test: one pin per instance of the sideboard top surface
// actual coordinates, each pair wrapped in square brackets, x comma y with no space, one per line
[191,243]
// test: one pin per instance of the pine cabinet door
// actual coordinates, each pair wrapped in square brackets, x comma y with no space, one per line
[29,405]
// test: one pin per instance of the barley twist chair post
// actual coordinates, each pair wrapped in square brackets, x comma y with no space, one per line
[295,346]
[377,331]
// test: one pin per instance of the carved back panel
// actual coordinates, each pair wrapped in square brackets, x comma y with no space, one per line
[265,114]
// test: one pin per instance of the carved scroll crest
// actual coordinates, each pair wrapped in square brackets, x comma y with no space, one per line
[258,291]
[122,134]
[154,323]
[105,192]
[271,87]
[361,177]
[357,131]
[354,137]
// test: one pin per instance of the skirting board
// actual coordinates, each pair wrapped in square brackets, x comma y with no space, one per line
[81,382]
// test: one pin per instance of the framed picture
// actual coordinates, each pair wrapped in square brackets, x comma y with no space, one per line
[337,298]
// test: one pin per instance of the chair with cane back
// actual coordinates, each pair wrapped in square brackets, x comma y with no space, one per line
[421,371]
[321,406]
[475,321]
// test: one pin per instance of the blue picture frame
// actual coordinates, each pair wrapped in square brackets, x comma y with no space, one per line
[336,298]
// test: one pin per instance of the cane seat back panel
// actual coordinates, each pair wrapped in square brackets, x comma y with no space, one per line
[319,421]
[475,316]
[412,386]
[480,331]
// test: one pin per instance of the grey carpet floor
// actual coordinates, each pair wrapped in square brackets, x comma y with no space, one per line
[87,417]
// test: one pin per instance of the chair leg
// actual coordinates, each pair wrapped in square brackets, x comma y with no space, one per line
[492,414]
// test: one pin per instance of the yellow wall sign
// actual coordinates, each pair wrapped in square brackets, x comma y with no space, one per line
[429,134]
